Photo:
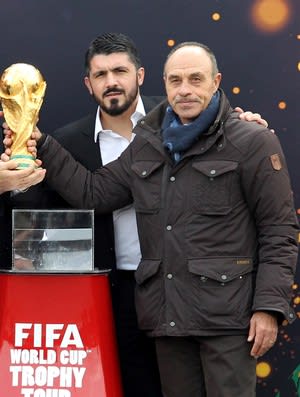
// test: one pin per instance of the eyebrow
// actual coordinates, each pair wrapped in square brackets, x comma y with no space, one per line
[114,69]
[192,75]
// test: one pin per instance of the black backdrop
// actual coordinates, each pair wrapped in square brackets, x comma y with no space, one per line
[257,44]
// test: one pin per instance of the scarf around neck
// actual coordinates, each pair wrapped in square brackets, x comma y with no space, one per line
[177,137]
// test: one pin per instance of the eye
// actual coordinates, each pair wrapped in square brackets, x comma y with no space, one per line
[121,71]
[196,79]
[174,80]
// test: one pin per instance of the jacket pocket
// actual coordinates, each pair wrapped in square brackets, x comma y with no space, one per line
[147,185]
[221,292]
[216,183]
[149,293]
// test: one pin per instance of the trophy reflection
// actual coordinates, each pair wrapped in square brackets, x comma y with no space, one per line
[22,89]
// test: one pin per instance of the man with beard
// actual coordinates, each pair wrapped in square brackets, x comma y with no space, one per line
[113,77]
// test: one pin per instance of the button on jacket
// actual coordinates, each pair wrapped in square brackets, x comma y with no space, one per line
[218,231]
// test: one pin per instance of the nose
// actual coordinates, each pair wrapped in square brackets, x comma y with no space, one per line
[111,80]
[184,89]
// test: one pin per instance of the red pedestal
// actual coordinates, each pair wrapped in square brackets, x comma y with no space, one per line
[57,337]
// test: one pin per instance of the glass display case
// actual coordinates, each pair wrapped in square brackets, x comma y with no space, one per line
[53,240]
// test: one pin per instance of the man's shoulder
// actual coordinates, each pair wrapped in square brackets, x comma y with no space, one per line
[86,125]
[151,101]
[248,134]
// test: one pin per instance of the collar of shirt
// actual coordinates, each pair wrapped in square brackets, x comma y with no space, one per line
[135,117]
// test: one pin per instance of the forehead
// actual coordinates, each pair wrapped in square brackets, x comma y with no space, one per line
[188,59]
[111,61]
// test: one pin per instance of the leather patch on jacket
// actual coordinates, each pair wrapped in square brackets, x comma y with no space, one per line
[276,162]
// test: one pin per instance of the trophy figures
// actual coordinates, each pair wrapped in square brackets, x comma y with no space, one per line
[22,89]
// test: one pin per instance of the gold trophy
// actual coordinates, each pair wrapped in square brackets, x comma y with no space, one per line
[22,89]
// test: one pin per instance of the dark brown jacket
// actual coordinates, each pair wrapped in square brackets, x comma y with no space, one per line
[218,231]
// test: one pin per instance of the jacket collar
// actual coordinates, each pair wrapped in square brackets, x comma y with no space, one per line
[150,127]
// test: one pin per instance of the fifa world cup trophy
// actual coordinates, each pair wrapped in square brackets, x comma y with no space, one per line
[22,89]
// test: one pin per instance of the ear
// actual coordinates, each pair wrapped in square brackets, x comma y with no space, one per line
[217,81]
[140,76]
[88,85]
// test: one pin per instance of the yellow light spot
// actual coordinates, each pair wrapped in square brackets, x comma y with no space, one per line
[236,90]
[271,15]
[298,36]
[263,369]
[299,66]
[171,43]
[295,286]
[216,16]
[297,300]
[282,105]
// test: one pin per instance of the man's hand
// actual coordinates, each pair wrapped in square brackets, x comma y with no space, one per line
[263,332]
[12,179]
[249,116]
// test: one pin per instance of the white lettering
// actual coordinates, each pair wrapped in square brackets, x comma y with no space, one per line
[78,375]
[32,356]
[15,370]
[20,335]
[40,376]
[27,392]
[45,393]
[37,335]
[53,373]
[51,335]
[50,332]
[72,337]
[72,357]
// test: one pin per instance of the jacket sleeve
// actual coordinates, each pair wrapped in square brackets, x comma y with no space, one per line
[104,190]
[267,188]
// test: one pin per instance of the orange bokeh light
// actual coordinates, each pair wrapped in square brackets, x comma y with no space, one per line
[216,16]
[271,15]
[297,300]
[171,43]
[282,105]
[263,369]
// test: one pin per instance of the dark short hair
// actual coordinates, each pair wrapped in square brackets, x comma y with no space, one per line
[109,43]
[209,52]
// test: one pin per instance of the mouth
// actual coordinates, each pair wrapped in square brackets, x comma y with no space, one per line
[186,104]
[186,101]
[112,94]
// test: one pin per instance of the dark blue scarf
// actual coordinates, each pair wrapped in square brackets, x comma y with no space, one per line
[177,138]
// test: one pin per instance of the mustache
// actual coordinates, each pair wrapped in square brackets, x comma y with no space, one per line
[113,90]
[185,99]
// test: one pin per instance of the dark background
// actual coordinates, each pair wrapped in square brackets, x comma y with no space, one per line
[260,55]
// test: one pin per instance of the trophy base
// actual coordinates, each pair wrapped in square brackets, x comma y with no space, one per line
[24,161]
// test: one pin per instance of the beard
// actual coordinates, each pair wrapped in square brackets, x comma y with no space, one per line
[114,108]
